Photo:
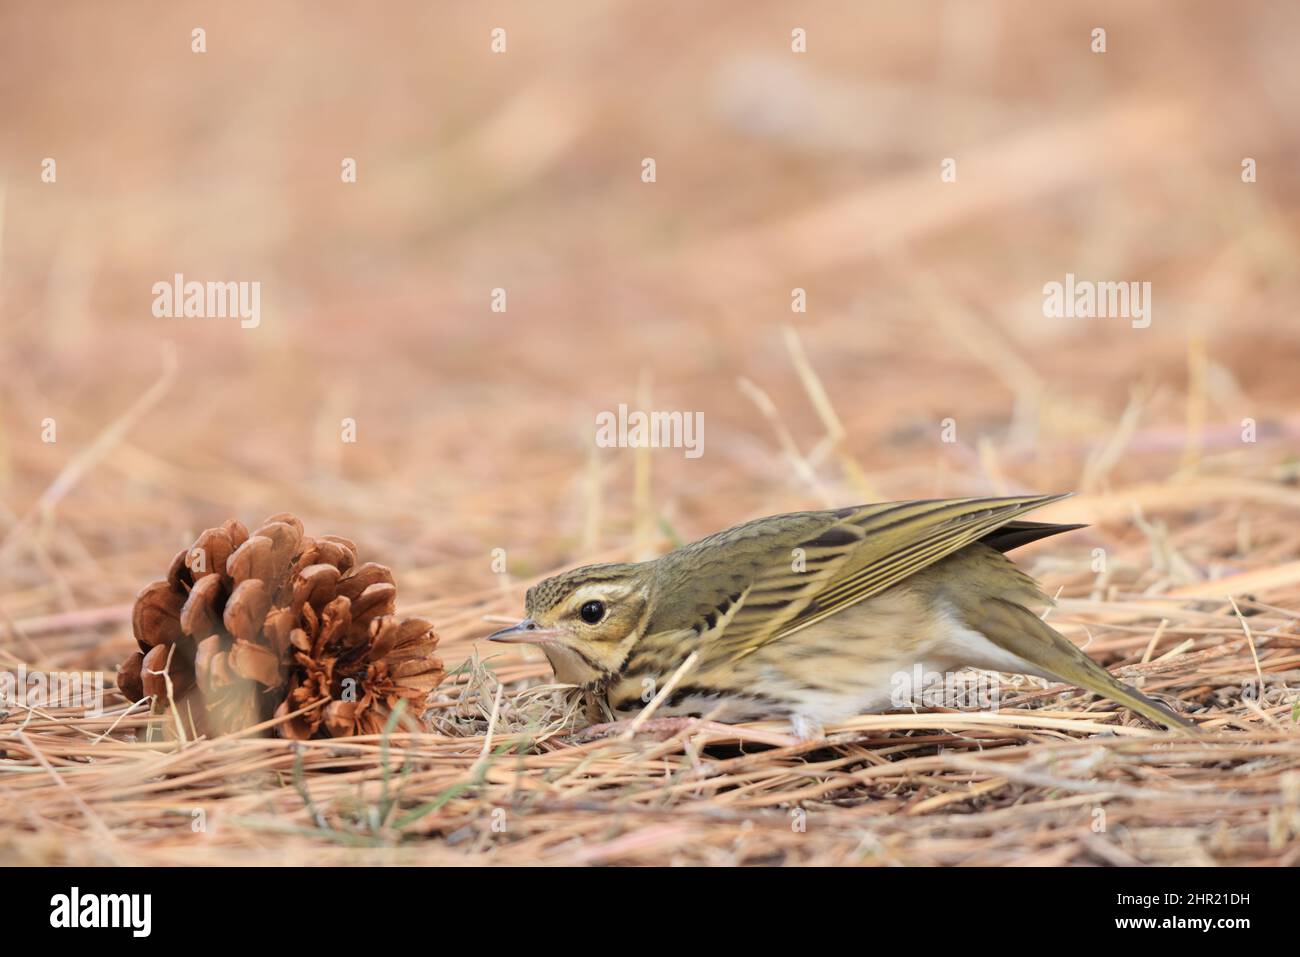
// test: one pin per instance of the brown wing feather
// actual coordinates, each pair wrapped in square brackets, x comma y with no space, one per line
[776,576]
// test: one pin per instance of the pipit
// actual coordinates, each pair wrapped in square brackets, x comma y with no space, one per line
[812,616]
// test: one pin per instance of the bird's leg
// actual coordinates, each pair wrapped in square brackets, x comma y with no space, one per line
[597,707]
[661,729]
[806,728]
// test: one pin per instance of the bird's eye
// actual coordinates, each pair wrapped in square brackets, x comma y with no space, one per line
[592,612]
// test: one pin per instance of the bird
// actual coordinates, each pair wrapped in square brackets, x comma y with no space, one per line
[811,616]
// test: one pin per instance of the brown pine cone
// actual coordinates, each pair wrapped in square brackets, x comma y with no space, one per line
[250,626]
[362,665]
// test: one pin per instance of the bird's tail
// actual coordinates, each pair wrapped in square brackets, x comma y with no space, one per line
[1016,629]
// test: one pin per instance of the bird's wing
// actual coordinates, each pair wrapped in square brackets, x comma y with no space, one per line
[848,557]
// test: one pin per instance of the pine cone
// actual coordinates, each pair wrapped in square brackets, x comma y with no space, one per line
[251,626]
[363,665]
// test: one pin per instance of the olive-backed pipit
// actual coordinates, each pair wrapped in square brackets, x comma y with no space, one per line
[811,615]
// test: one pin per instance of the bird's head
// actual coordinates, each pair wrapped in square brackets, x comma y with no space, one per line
[586,620]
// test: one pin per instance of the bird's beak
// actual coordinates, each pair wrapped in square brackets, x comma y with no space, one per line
[526,631]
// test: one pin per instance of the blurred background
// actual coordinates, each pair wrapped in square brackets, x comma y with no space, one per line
[522,170]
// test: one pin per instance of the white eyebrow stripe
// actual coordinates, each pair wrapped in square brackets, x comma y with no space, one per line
[605,591]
